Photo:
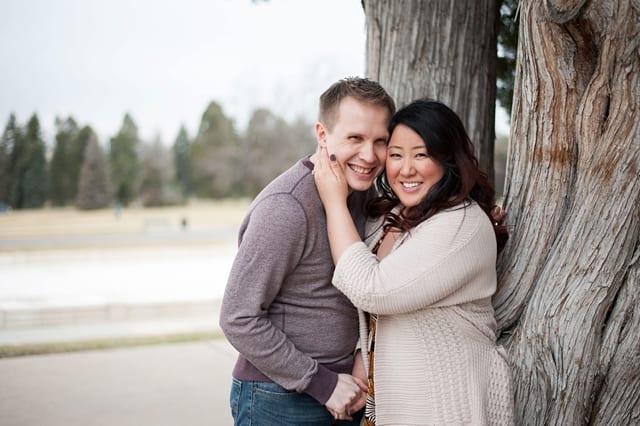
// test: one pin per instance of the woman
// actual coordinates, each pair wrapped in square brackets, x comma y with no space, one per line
[425,276]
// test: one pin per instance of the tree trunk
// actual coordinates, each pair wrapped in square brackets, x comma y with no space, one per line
[568,302]
[441,49]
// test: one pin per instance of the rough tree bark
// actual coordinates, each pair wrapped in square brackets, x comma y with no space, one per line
[568,302]
[442,49]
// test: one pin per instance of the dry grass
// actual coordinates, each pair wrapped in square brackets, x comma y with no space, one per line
[9,351]
[69,221]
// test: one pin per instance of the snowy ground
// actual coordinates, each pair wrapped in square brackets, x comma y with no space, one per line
[52,279]
[58,295]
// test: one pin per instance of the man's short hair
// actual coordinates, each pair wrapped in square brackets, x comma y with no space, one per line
[361,89]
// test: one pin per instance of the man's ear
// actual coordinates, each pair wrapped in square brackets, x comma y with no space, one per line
[321,134]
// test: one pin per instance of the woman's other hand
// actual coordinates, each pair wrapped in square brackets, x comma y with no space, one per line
[498,215]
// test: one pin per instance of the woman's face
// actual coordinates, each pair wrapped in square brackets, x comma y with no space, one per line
[411,171]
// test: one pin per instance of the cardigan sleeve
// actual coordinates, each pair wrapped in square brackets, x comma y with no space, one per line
[446,260]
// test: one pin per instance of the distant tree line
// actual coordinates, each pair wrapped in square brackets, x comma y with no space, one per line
[76,170]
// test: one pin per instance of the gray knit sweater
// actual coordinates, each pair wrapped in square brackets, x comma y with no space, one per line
[280,311]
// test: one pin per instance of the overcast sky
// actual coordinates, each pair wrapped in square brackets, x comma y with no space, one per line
[163,61]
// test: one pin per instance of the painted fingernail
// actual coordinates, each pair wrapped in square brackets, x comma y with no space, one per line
[332,157]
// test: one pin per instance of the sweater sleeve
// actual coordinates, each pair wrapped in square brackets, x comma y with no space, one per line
[270,248]
[446,260]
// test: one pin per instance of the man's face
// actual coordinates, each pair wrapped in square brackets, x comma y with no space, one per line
[358,140]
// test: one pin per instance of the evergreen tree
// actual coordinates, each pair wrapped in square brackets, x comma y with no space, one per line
[35,179]
[28,168]
[17,161]
[94,183]
[507,47]
[301,139]
[8,143]
[124,161]
[157,175]
[266,133]
[215,155]
[182,162]
[76,155]
[62,182]
[4,173]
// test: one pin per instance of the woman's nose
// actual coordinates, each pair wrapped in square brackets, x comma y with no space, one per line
[407,167]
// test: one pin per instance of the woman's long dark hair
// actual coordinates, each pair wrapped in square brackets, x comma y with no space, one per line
[447,143]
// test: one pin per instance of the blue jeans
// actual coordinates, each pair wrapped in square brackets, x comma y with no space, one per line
[269,404]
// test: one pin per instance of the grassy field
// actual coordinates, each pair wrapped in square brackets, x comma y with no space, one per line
[9,351]
[70,221]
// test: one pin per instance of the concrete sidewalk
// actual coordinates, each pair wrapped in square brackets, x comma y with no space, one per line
[159,384]
[176,384]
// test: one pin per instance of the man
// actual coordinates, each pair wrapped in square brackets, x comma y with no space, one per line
[296,333]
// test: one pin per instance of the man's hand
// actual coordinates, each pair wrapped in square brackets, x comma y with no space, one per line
[348,390]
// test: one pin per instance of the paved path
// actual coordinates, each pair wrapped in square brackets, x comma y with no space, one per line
[179,384]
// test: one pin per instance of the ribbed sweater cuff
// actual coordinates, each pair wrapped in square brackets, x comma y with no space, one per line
[322,384]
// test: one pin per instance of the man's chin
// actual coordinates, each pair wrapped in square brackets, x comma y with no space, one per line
[359,184]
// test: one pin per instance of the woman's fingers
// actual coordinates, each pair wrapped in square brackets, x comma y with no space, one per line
[321,160]
[329,178]
[498,215]
[323,163]
[335,167]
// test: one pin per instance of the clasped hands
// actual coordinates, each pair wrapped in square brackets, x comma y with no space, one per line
[349,396]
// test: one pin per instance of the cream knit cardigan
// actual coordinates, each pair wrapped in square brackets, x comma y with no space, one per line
[436,359]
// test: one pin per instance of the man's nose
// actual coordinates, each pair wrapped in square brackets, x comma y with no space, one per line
[367,153]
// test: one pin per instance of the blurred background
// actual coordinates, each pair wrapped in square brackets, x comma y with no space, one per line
[135,136]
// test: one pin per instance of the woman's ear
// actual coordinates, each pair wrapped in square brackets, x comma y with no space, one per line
[321,135]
